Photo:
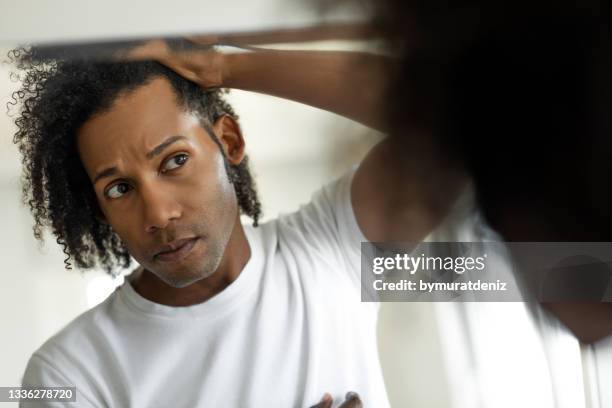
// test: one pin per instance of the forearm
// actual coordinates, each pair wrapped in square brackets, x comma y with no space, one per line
[350,84]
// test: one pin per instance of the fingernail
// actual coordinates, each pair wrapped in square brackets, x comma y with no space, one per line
[351,394]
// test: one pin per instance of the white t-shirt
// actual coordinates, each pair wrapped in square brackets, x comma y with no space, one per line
[290,328]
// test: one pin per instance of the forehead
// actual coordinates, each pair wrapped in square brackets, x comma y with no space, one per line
[136,121]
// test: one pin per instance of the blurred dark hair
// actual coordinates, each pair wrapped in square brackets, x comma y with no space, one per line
[519,92]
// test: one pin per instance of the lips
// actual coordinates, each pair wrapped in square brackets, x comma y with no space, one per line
[174,250]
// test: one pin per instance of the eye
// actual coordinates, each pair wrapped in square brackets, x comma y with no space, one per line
[174,162]
[117,190]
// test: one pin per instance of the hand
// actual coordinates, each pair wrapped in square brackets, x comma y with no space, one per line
[352,401]
[193,58]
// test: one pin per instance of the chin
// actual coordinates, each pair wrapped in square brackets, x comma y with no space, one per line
[188,275]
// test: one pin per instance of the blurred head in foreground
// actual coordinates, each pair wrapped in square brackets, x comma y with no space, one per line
[520,93]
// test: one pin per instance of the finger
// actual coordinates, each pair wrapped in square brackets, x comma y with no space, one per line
[151,50]
[352,401]
[203,39]
[326,402]
[190,59]
[180,69]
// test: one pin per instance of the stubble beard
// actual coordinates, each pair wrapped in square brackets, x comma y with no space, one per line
[209,265]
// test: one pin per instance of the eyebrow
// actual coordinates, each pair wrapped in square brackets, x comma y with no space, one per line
[156,151]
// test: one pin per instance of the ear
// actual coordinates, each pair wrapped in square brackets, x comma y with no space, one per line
[229,135]
[100,217]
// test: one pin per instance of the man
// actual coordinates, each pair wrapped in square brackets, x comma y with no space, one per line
[130,159]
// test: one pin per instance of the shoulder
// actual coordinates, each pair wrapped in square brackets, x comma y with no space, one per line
[67,351]
[85,325]
[324,229]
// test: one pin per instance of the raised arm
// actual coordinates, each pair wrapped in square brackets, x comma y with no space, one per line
[402,189]
[350,84]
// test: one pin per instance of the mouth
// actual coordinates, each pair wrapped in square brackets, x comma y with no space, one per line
[175,250]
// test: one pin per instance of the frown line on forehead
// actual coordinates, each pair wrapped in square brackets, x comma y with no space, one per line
[156,151]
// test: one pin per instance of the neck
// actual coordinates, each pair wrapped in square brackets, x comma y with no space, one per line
[236,255]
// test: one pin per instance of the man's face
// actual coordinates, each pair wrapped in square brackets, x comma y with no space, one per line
[160,179]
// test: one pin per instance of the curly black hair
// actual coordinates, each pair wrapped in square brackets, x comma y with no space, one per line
[56,97]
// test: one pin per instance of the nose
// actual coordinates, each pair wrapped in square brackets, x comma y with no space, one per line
[160,208]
